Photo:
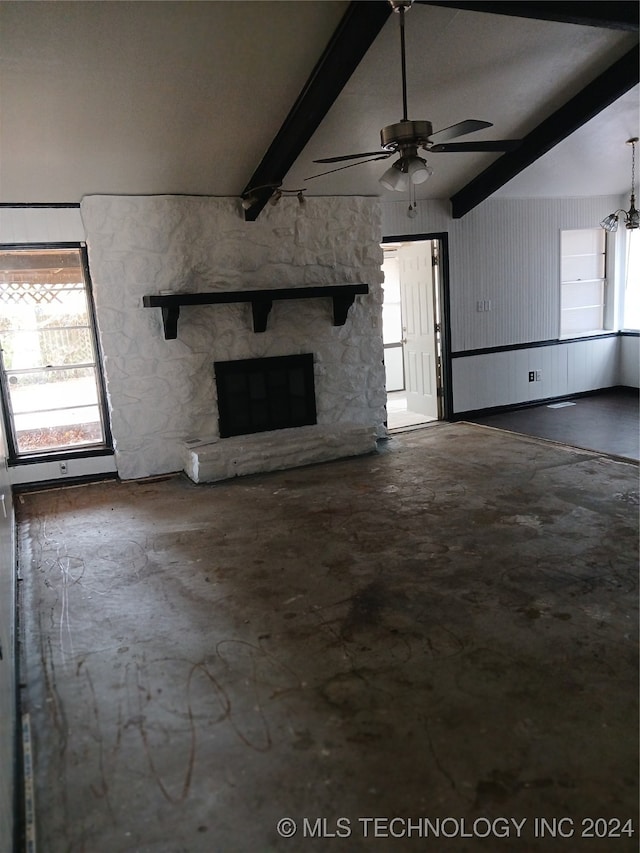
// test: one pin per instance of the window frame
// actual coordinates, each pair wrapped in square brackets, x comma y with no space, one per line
[622,277]
[604,305]
[14,457]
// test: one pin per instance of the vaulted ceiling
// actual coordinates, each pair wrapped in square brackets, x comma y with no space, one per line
[214,98]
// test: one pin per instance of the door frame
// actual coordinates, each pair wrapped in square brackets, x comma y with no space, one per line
[445,373]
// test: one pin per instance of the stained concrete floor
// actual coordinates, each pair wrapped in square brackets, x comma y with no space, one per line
[445,630]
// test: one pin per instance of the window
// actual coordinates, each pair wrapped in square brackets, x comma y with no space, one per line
[52,394]
[582,281]
[392,333]
[631,296]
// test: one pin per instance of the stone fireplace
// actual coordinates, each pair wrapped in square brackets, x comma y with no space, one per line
[190,254]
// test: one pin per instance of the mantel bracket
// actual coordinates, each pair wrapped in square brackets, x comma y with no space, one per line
[341,305]
[260,309]
[170,314]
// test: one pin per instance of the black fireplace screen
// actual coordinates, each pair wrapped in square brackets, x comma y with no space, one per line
[259,394]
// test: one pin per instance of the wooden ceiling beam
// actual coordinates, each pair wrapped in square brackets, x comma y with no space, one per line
[356,32]
[600,93]
[613,15]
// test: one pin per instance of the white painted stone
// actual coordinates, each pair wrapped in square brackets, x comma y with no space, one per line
[161,393]
[240,455]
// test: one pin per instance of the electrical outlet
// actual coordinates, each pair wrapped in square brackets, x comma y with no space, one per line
[63,467]
[532,376]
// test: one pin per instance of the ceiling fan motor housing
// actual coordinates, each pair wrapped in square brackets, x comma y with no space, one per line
[405,133]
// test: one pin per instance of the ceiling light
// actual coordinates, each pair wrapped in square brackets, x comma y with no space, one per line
[407,171]
[418,169]
[630,217]
[396,178]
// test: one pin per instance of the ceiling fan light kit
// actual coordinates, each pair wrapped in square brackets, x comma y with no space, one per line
[418,168]
[395,178]
[630,217]
[409,169]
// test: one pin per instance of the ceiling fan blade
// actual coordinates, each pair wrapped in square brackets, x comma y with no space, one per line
[487,145]
[459,129]
[350,157]
[340,168]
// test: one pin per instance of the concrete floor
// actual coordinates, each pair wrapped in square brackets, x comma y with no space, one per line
[446,630]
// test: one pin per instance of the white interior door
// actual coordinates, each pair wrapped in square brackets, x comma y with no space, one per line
[417,291]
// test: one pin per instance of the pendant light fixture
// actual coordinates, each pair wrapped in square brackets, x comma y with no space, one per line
[631,217]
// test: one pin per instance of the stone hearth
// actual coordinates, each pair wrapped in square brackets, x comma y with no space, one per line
[224,458]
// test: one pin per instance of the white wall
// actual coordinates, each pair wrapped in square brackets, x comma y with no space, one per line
[507,251]
[502,378]
[41,225]
[629,372]
[162,393]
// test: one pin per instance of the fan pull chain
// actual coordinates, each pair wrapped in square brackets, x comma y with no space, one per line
[412,211]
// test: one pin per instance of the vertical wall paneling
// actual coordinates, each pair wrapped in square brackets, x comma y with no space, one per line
[629,368]
[502,378]
[506,251]
[504,264]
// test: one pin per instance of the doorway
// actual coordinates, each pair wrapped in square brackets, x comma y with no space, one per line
[414,324]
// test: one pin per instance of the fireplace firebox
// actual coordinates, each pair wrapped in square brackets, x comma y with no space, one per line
[262,394]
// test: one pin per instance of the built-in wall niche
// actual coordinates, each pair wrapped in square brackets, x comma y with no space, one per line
[263,394]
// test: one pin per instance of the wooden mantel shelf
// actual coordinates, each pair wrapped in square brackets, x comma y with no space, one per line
[343,296]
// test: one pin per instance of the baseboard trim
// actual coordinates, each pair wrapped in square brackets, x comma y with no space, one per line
[60,483]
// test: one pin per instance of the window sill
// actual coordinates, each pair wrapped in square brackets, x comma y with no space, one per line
[596,333]
[60,455]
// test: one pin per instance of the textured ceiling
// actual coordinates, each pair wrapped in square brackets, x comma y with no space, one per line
[146,97]
[513,72]
[186,97]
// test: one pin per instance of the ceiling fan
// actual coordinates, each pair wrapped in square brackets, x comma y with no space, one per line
[406,137]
